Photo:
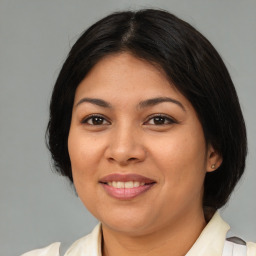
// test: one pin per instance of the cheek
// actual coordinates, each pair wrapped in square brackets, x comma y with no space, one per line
[80,153]
[83,152]
[184,150]
[182,159]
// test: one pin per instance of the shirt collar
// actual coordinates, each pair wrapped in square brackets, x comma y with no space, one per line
[210,242]
[88,245]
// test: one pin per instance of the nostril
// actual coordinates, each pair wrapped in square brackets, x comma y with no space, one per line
[132,159]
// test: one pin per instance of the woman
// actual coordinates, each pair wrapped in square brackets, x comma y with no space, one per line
[145,121]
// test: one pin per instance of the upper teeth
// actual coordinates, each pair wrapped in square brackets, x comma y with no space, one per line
[128,184]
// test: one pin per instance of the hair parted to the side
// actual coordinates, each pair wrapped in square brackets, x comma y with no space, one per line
[190,62]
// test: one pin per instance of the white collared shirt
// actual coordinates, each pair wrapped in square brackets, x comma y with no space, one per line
[210,243]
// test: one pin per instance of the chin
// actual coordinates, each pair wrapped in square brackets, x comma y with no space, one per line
[131,222]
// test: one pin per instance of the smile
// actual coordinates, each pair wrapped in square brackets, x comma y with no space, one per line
[126,186]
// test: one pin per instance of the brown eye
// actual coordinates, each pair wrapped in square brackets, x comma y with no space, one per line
[95,120]
[160,120]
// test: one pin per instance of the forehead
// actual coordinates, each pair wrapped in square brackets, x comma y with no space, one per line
[126,75]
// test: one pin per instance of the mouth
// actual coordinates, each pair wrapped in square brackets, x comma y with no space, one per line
[126,186]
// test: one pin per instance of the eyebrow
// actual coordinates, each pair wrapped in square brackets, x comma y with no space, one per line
[98,102]
[142,104]
[155,101]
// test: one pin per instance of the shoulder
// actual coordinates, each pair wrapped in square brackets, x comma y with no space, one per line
[238,249]
[50,250]
[251,249]
[87,245]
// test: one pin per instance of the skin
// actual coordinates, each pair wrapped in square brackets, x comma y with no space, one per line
[129,138]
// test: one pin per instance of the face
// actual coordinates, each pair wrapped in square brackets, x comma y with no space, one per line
[136,146]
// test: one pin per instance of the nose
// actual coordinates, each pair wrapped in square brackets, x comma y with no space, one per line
[125,146]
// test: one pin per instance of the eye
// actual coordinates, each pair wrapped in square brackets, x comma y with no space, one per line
[160,120]
[95,120]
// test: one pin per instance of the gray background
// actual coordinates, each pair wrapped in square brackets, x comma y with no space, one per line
[37,206]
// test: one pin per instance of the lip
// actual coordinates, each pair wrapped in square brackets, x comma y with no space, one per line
[125,178]
[126,193]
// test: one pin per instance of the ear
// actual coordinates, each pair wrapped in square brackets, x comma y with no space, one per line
[214,159]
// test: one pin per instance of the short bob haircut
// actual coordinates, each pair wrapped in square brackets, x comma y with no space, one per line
[189,61]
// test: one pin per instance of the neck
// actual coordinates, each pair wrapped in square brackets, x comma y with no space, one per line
[176,238]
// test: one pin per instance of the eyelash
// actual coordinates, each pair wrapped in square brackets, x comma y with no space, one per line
[165,117]
[90,117]
[106,121]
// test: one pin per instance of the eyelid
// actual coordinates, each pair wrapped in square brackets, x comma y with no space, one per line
[170,119]
[167,117]
[85,119]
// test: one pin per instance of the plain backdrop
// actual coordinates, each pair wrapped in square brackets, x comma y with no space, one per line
[39,207]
